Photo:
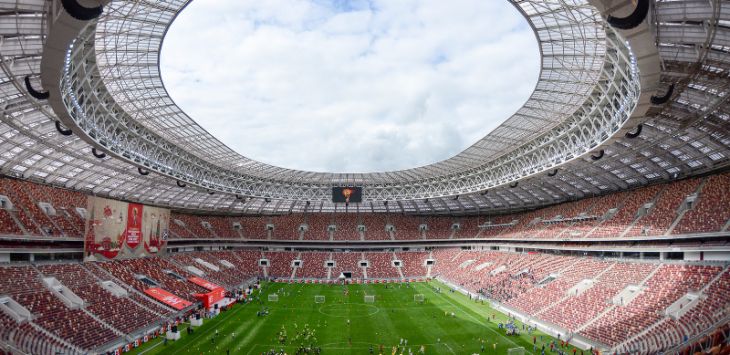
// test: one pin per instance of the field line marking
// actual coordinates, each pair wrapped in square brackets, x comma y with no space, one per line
[251,333]
[150,348]
[447,299]
[201,333]
[253,346]
[450,349]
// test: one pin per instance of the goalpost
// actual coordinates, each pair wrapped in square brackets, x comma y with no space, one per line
[318,299]
[418,298]
[273,297]
[516,351]
[369,298]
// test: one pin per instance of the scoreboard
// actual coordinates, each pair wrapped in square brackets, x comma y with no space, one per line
[347,194]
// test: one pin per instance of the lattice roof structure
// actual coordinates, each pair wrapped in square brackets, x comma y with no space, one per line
[590,127]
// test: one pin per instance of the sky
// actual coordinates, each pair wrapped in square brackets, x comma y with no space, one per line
[350,86]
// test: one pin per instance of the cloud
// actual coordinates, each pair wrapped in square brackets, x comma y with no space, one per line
[350,86]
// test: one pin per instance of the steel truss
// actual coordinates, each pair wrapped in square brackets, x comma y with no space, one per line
[603,112]
[688,135]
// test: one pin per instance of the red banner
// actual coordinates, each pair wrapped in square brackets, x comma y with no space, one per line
[134,225]
[204,283]
[167,298]
[211,298]
[117,229]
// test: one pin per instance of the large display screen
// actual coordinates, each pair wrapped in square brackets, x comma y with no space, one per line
[347,194]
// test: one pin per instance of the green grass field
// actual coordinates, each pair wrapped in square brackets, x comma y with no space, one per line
[393,315]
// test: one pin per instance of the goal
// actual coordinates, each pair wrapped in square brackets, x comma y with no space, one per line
[516,351]
[273,297]
[318,299]
[369,298]
[418,298]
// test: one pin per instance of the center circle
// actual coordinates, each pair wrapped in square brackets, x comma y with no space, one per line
[350,86]
[346,310]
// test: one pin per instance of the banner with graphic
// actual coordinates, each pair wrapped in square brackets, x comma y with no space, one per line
[134,225]
[203,283]
[117,229]
[155,229]
[167,298]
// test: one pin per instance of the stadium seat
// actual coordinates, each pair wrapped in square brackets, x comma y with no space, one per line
[120,312]
[23,284]
[712,212]
[666,209]
[380,266]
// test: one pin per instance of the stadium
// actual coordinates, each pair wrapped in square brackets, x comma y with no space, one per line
[593,218]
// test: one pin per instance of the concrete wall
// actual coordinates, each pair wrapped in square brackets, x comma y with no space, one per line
[707,255]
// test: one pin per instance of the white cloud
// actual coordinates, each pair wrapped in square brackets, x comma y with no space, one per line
[350,86]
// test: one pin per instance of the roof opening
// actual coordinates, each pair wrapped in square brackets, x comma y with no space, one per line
[350,86]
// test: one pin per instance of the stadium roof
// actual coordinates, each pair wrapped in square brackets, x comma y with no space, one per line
[568,141]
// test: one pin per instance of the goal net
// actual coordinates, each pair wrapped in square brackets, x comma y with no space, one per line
[318,299]
[273,297]
[418,298]
[516,351]
[369,298]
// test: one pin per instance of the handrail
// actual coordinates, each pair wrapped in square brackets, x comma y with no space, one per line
[690,341]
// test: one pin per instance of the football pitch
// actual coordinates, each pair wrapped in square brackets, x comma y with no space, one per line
[346,324]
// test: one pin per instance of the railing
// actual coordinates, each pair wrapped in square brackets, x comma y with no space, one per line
[695,338]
